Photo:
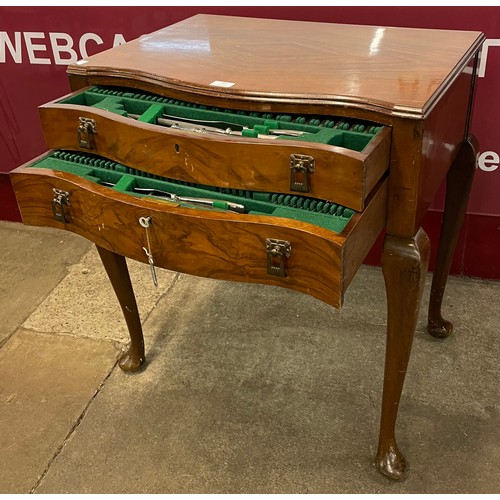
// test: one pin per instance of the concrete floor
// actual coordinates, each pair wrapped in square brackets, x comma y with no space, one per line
[247,389]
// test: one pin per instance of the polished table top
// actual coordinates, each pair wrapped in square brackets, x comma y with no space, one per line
[398,71]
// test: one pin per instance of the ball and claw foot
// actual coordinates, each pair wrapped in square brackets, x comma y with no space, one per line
[439,328]
[392,464]
[131,361]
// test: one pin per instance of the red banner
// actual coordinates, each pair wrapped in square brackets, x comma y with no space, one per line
[37,43]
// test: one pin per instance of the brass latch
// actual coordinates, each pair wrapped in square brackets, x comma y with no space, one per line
[85,132]
[60,201]
[277,251]
[300,166]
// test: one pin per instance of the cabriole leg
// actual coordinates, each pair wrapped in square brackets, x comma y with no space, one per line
[117,271]
[458,186]
[404,265]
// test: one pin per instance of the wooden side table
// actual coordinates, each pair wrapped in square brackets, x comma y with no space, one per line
[411,89]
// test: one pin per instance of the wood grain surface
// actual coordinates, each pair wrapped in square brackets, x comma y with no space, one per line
[200,242]
[341,175]
[400,71]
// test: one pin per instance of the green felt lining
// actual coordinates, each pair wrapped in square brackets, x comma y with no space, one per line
[125,183]
[152,113]
[150,107]
[318,212]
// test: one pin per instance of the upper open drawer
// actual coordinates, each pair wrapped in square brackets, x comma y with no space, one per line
[323,157]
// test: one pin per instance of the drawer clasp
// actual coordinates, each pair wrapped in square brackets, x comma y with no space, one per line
[300,166]
[60,201]
[85,132]
[277,251]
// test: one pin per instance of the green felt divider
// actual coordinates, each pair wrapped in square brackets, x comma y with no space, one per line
[318,219]
[125,183]
[151,114]
[318,212]
[112,104]
[149,107]
[261,196]
[93,178]
[325,136]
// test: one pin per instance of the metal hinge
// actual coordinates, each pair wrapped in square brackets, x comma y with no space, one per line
[60,201]
[277,251]
[300,166]
[85,132]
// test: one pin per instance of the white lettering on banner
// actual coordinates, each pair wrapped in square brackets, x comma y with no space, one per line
[35,47]
[14,49]
[492,42]
[66,48]
[83,43]
[488,161]
[118,40]
[61,45]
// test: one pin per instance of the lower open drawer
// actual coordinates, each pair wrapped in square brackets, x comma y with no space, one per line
[307,245]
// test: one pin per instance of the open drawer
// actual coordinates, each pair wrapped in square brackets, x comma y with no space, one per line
[319,156]
[296,242]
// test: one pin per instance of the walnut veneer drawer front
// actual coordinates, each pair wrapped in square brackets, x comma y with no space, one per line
[336,159]
[253,247]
